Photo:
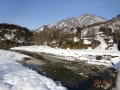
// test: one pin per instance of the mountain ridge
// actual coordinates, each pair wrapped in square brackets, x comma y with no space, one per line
[73,22]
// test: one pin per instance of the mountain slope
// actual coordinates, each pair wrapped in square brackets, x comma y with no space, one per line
[113,24]
[84,20]
[80,32]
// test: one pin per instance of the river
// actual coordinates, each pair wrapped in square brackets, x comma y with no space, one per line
[72,75]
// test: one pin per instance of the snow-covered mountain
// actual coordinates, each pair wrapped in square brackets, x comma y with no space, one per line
[84,20]
[113,24]
[82,30]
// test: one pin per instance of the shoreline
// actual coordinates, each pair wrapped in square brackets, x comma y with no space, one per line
[109,58]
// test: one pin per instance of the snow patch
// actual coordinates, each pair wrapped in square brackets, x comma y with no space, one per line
[102,45]
[9,36]
[14,76]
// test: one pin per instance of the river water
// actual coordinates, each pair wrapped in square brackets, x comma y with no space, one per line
[73,75]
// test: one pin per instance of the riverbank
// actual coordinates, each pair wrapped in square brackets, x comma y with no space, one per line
[15,76]
[109,58]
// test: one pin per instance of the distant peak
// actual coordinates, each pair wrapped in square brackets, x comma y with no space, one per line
[88,14]
[92,15]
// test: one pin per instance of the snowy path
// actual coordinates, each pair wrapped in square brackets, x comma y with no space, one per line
[14,76]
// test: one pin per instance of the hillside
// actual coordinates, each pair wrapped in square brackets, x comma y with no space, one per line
[13,35]
[83,32]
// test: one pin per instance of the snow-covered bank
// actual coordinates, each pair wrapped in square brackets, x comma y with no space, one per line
[110,58]
[14,76]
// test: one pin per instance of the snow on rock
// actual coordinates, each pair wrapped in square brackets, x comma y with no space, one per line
[115,47]
[75,39]
[14,76]
[87,41]
[9,36]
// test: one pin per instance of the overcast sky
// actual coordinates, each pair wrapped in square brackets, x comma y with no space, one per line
[34,13]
